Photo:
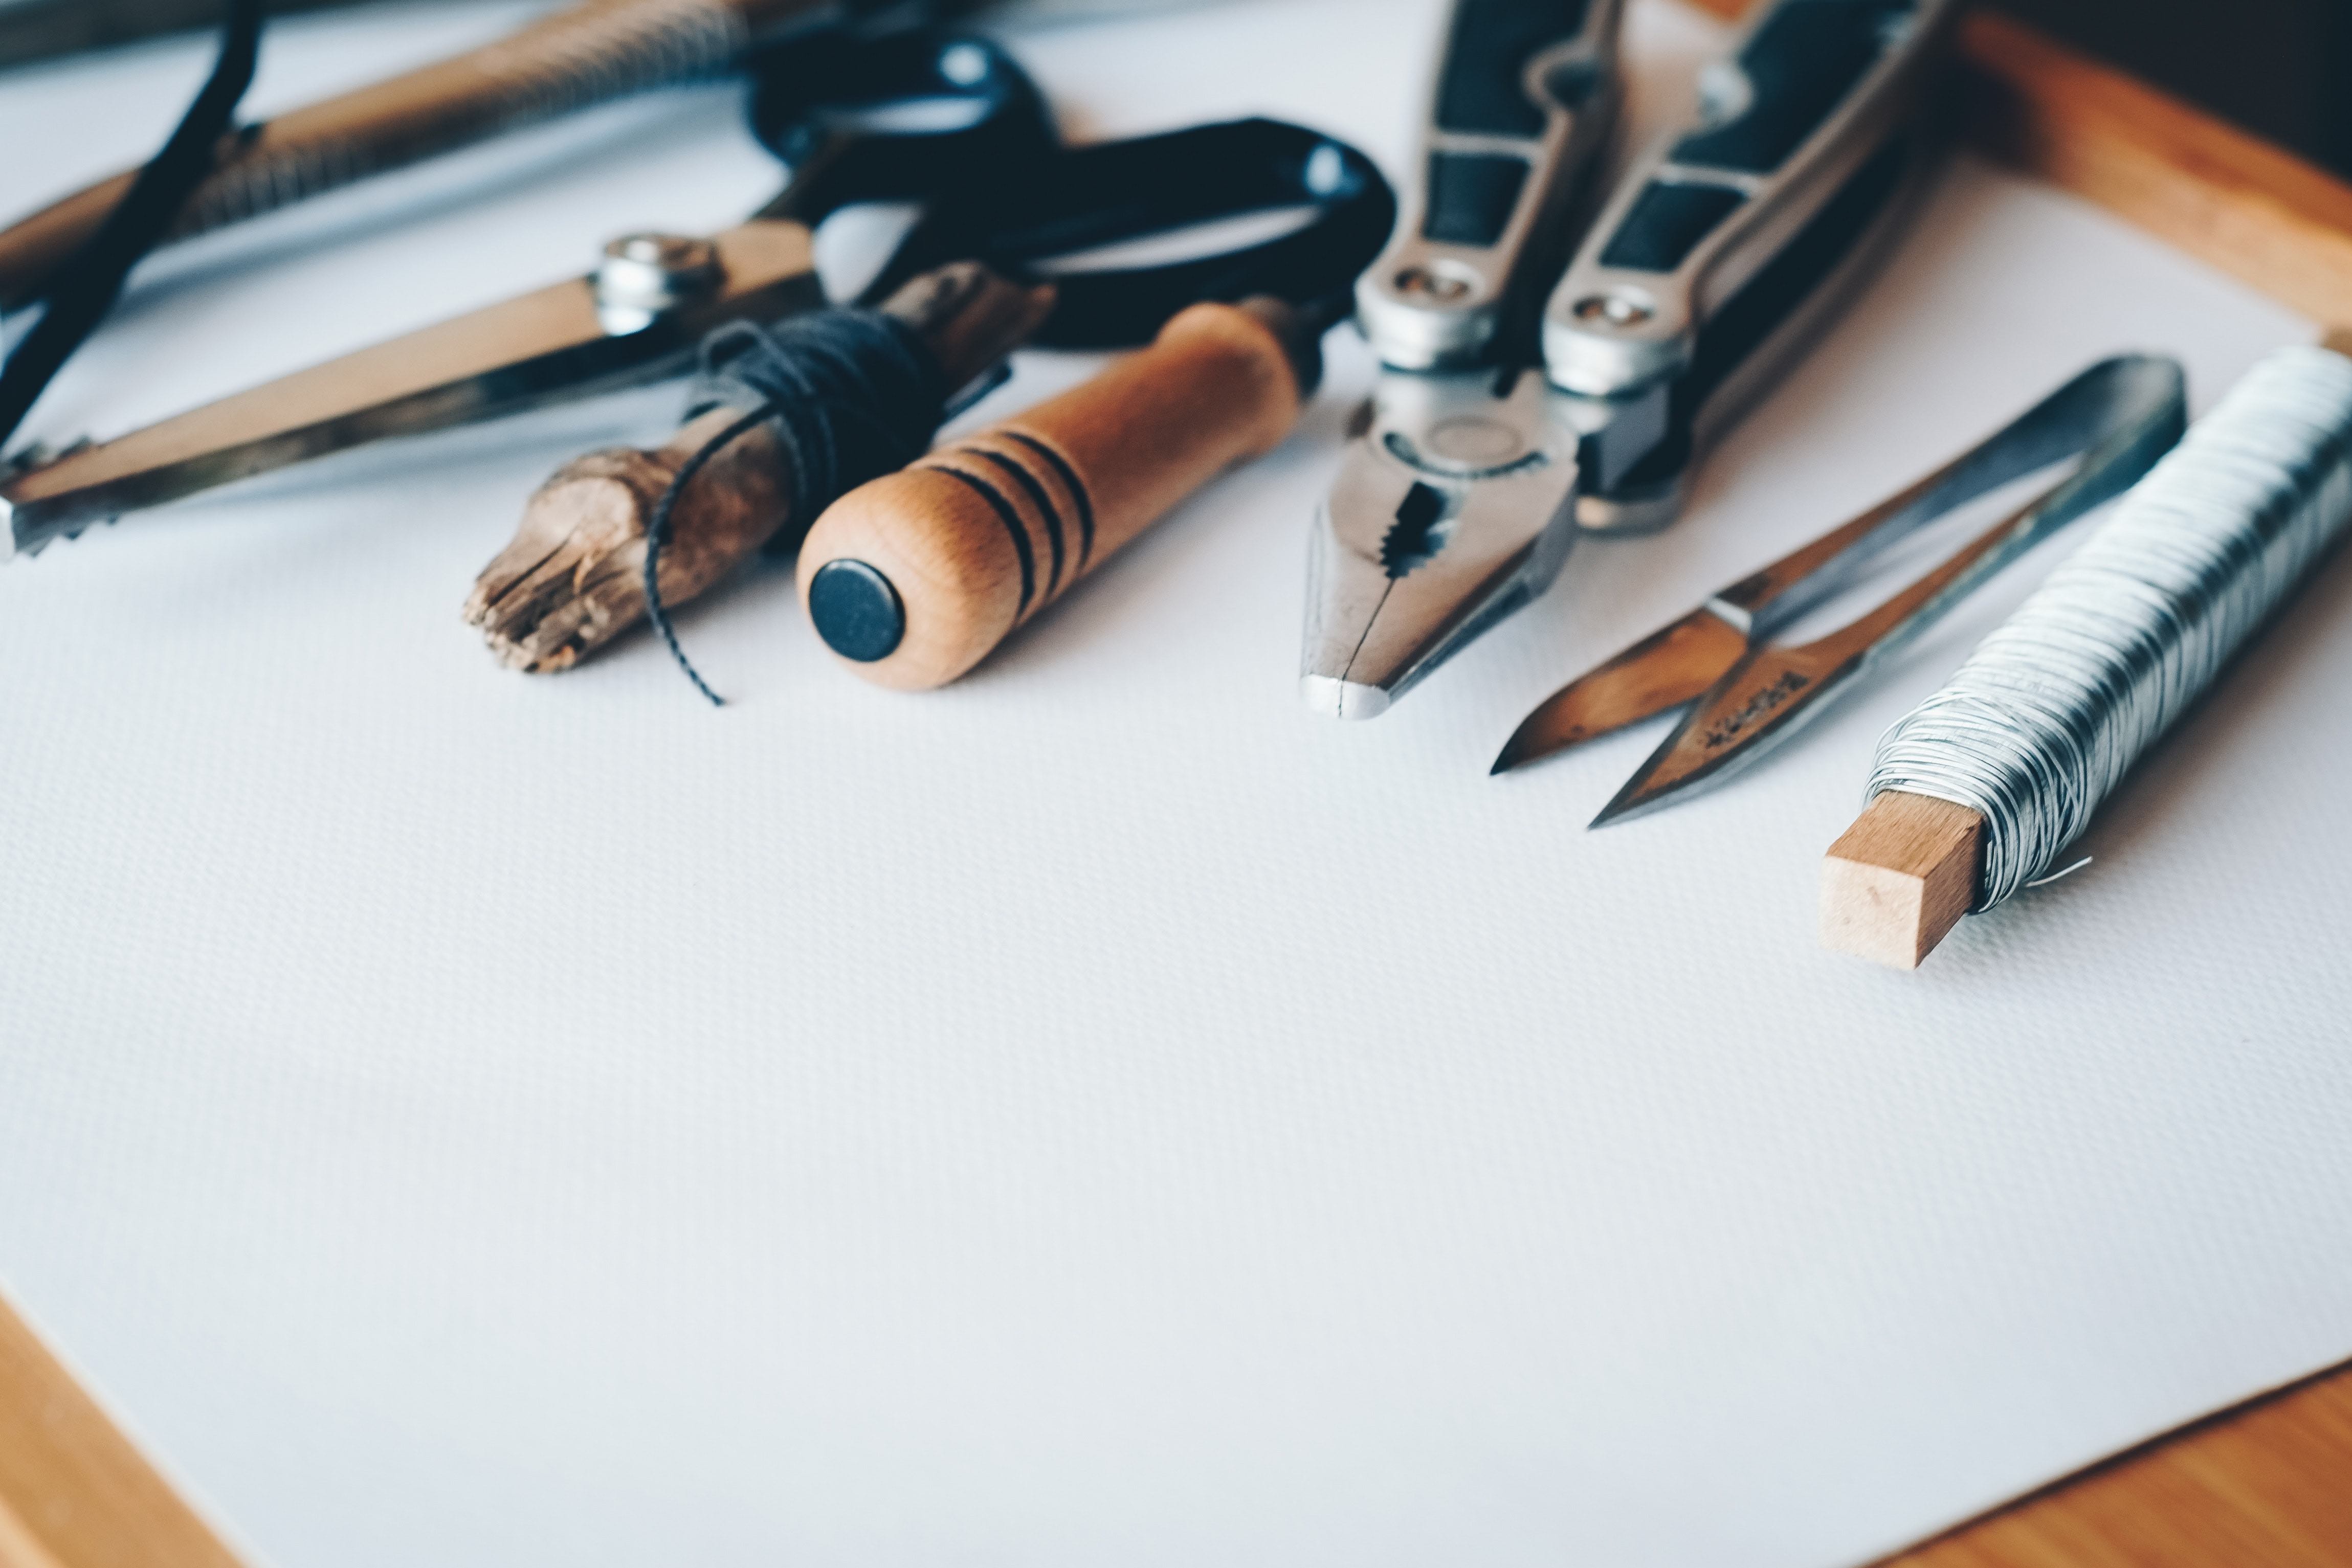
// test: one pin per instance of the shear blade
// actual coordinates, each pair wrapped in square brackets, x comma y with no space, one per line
[1765,698]
[1672,666]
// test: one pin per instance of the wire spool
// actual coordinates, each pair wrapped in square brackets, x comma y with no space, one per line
[2051,710]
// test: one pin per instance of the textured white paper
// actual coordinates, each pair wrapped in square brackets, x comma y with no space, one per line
[1099,1113]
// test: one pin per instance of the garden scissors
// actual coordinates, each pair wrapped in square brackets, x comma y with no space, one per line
[823,104]
[947,119]
[1746,694]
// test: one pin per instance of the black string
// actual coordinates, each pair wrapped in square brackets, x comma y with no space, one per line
[658,536]
[81,292]
[849,394]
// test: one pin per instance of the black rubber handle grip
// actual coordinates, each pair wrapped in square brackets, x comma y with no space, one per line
[1799,65]
[1484,89]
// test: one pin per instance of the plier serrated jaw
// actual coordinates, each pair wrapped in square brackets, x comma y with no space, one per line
[1454,509]
[1712,265]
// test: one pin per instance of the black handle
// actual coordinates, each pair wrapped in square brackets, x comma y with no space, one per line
[1797,67]
[1482,90]
[1021,219]
[891,118]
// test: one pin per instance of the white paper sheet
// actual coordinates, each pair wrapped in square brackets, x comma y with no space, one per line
[1099,1113]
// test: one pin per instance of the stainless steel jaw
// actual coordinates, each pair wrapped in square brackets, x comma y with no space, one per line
[1713,265]
[1456,507]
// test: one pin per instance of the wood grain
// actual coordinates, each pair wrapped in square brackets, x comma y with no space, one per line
[2228,198]
[2268,1485]
[988,531]
[1897,882]
[74,1493]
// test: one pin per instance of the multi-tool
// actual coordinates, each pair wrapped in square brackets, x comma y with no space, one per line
[1502,424]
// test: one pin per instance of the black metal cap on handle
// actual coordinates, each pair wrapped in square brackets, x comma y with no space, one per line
[856,610]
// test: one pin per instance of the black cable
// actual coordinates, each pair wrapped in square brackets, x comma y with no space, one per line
[658,537]
[849,394]
[78,296]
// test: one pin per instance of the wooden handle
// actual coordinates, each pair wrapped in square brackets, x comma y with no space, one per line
[573,578]
[1900,878]
[913,579]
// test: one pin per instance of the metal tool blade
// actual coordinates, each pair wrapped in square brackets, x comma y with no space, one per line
[1764,699]
[538,348]
[2119,417]
[1451,511]
[1674,666]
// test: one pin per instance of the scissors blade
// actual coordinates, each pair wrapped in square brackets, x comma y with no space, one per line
[1765,698]
[540,347]
[1674,666]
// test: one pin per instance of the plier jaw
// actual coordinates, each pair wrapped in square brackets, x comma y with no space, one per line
[1456,508]
[1717,260]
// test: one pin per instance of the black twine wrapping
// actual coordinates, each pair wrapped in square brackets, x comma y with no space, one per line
[850,396]
[83,289]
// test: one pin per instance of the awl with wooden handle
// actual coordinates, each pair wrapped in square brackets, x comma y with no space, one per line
[573,578]
[915,577]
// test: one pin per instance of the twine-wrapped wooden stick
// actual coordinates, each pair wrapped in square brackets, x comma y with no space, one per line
[573,578]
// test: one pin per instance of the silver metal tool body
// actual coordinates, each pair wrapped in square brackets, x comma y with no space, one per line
[638,318]
[2111,424]
[1522,105]
[1711,265]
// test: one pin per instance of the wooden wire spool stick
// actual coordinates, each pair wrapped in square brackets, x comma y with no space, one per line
[1979,791]
[1896,883]
[913,579]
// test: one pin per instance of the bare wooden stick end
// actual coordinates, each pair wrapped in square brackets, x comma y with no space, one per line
[1899,879]
[573,577]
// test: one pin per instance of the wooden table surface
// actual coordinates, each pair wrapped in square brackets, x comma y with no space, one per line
[2268,1485]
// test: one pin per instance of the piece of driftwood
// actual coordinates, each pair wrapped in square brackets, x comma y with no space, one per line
[573,578]
[912,579]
